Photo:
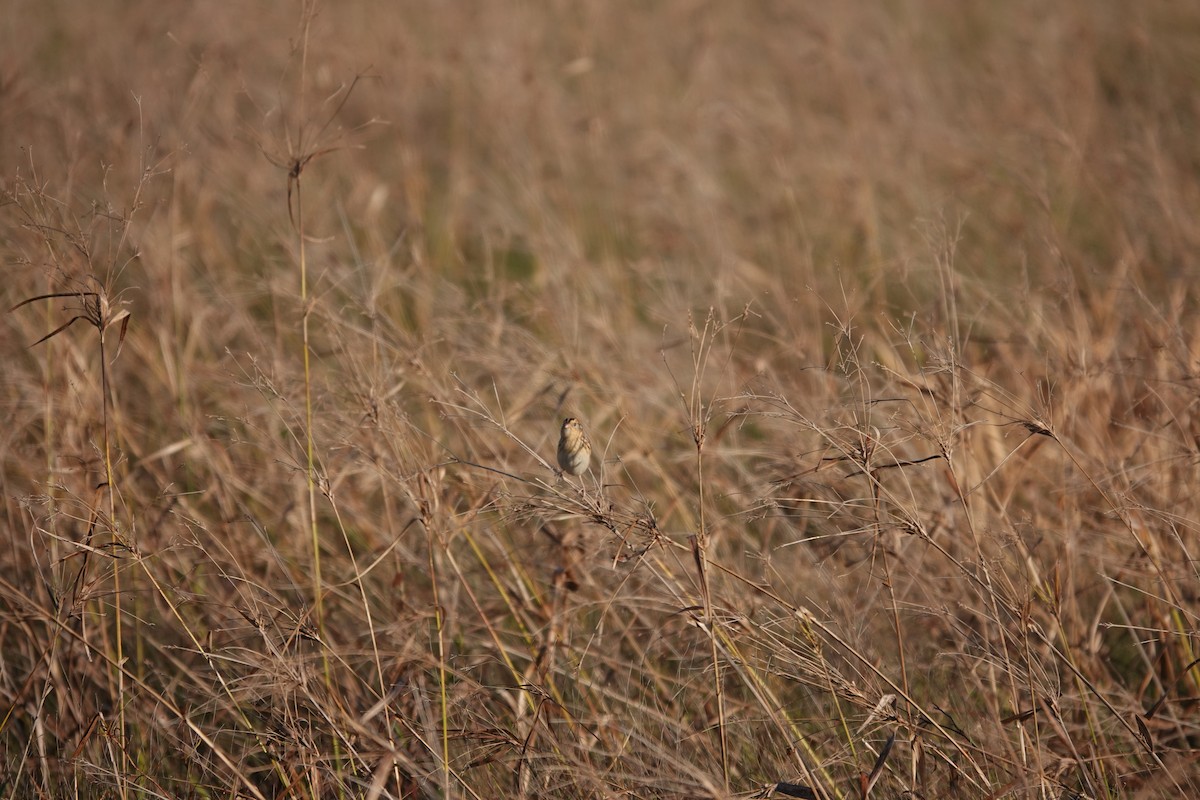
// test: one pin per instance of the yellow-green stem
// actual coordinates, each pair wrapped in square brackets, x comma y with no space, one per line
[439,622]
[710,618]
[311,469]
[112,523]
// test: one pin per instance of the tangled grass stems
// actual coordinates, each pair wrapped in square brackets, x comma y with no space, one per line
[907,346]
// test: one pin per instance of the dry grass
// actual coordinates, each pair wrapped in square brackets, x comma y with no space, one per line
[882,323]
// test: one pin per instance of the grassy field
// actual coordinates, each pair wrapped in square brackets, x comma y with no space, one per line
[881,319]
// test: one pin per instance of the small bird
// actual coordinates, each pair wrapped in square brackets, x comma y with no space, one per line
[574,448]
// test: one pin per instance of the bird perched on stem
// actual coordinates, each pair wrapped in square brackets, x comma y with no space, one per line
[574,448]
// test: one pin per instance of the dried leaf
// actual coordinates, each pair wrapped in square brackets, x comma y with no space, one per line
[47,297]
[58,330]
[124,317]
[877,770]
[1149,740]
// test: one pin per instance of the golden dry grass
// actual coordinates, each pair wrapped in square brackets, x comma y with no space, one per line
[881,319]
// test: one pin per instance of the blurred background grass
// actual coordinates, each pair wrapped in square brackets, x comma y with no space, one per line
[776,255]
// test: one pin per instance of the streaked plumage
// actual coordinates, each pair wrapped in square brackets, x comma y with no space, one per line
[574,448]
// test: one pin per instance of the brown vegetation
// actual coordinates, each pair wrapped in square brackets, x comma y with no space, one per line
[880,317]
